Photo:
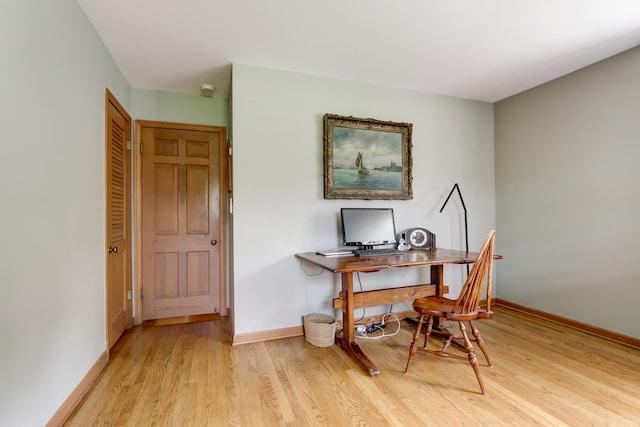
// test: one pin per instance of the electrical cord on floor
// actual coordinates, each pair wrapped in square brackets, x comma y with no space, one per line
[364,331]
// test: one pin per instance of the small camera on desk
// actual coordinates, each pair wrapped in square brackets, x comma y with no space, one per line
[417,238]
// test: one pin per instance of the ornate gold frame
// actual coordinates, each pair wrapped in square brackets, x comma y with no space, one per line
[386,146]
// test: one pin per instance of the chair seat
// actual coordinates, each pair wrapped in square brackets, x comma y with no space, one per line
[434,306]
[443,307]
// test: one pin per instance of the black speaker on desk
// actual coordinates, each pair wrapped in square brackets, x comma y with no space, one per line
[419,238]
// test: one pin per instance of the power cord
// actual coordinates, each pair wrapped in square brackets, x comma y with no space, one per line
[308,273]
[364,331]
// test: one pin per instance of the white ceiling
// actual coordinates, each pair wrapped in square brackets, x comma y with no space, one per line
[478,49]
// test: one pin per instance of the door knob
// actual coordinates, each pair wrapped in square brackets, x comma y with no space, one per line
[113,249]
[214,242]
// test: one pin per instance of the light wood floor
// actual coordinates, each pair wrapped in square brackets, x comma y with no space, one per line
[189,375]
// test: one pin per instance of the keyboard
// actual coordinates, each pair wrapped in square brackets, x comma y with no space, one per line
[376,252]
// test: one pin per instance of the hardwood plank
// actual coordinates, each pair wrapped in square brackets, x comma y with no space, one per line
[544,374]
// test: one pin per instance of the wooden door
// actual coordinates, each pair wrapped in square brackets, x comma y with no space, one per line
[118,228]
[182,234]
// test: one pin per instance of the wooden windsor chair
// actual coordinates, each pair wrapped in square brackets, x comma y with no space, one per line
[464,309]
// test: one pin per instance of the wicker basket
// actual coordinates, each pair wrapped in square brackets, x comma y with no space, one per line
[320,329]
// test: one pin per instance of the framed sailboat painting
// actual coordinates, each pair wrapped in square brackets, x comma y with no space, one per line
[366,159]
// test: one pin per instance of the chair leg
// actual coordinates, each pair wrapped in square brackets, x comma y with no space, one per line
[428,331]
[414,344]
[480,341]
[473,361]
[474,364]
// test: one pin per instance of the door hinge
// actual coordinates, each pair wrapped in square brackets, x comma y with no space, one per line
[129,145]
[141,293]
[129,295]
[140,148]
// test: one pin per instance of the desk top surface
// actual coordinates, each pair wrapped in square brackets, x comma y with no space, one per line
[412,258]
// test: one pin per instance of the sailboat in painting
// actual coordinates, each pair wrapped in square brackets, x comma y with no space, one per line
[360,165]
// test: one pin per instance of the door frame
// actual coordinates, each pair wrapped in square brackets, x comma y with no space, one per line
[222,202]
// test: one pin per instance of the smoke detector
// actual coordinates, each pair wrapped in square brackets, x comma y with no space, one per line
[207,90]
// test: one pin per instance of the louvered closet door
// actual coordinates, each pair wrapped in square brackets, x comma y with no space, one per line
[118,262]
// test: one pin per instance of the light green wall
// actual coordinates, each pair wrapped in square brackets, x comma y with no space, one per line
[565,178]
[179,108]
[52,309]
[567,182]
[279,208]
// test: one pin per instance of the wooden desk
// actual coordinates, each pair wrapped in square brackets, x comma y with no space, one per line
[350,300]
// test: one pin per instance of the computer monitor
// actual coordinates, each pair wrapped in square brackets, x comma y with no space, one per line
[368,227]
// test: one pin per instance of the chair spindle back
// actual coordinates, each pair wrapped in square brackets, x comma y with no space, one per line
[469,298]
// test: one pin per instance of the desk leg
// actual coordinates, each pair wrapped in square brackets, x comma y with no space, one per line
[437,278]
[347,338]
[348,321]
